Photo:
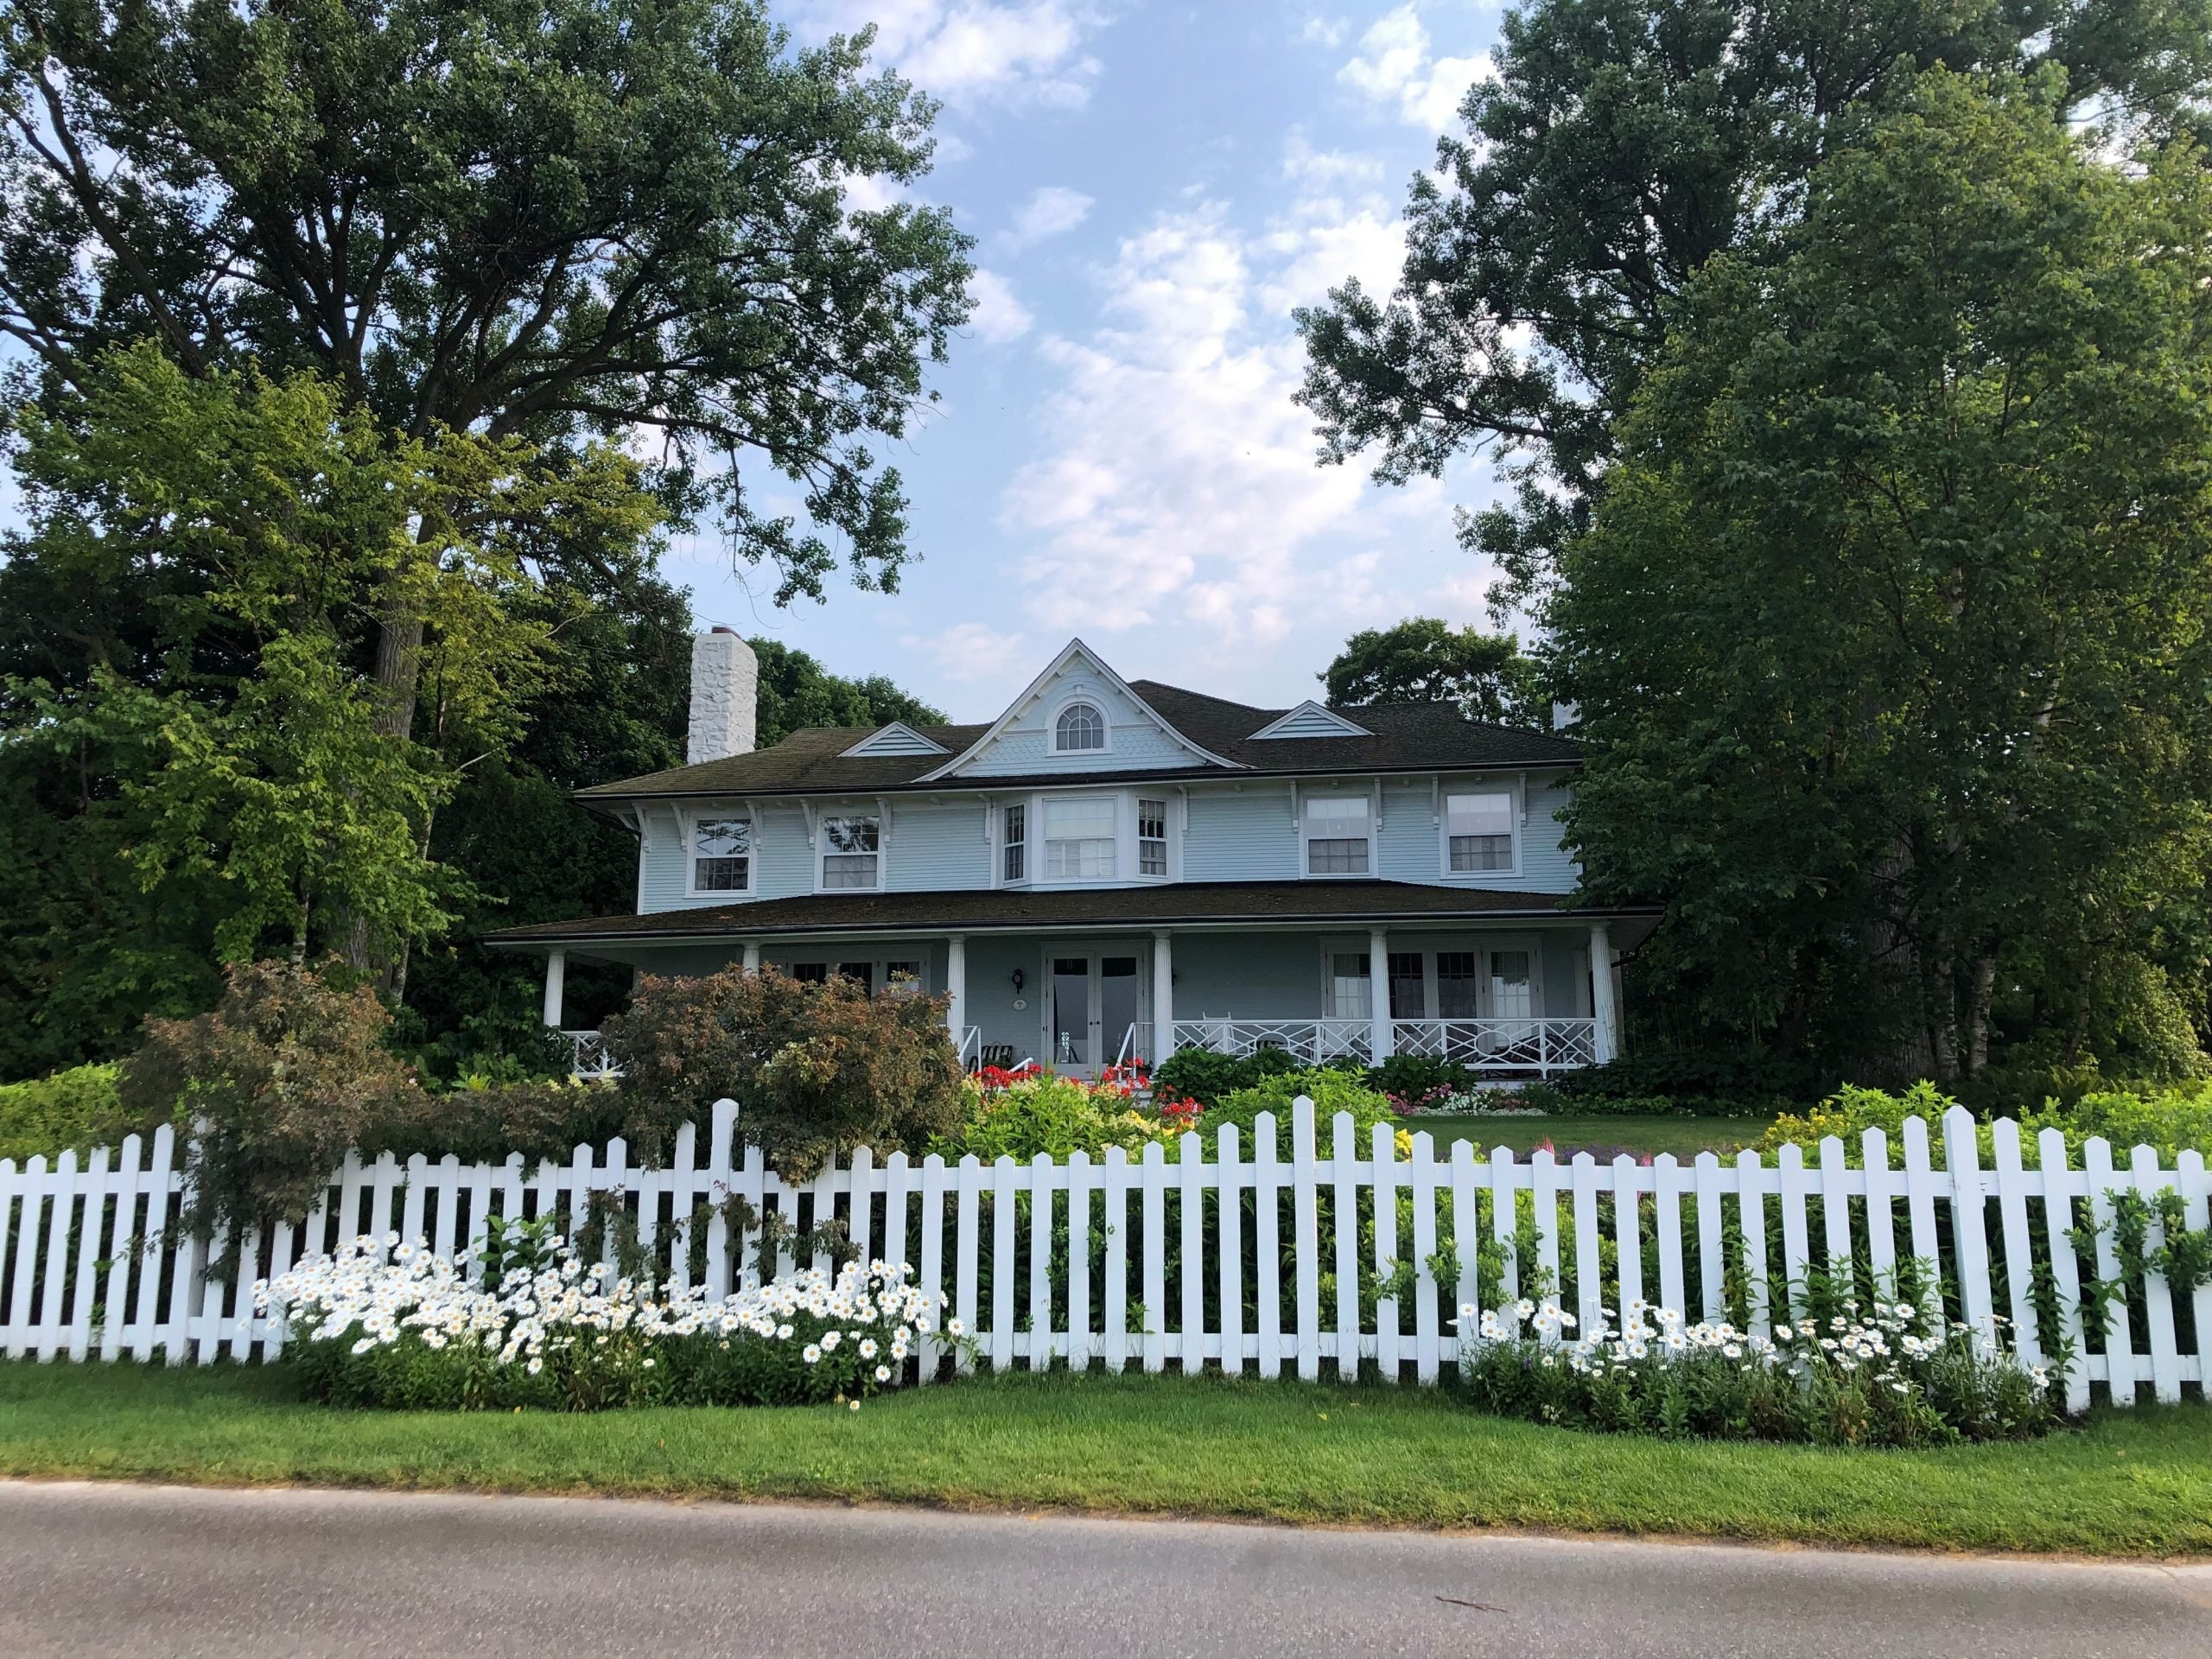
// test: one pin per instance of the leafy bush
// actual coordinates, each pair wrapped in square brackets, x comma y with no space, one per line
[281,1079]
[1331,1091]
[2169,1122]
[821,1069]
[78,1108]
[1690,1080]
[1042,1112]
[483,1122]
[410,1333]
[1898,1378]
[1200,1074]
[1409,1077]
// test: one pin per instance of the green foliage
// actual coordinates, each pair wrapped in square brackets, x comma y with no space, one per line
[820,1069]
[78,1108]
[279,1080]
[1701,1080]
[1828,504]
[2170,1121]
[1426,660]
[1616,148]
[796,691]
[1200,1074]
[1331,1091]
[1051,1114]
[543,1118]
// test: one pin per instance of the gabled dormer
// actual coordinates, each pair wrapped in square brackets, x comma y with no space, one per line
[1311,719]
[896,739]
[1077,716]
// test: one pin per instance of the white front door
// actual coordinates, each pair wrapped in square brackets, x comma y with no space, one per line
[1092,1000]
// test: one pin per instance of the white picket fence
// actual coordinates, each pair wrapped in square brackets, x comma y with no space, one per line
[92,1262]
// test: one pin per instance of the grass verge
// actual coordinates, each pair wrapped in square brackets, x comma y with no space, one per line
[1684,1136]
[2129,1483]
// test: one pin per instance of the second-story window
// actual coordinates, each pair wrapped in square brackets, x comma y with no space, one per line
[852,852]
[1480,831]
[1151,837]
[1079,727]
[1014,860]
[1339,831]
[721,856]
[1079,839]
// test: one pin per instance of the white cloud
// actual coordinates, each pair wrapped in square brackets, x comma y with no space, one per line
[999,315]
[1323,31]
[1393,69]
[1177,499]
[971,52]
[969,652]
[1051,212]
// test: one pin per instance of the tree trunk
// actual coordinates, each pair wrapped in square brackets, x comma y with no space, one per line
[399,671]
[1984,987]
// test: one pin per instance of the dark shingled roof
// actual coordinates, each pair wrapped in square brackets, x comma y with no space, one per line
[1407,737]
[1323,903]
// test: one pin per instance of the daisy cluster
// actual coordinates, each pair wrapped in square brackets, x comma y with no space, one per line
[384,1290]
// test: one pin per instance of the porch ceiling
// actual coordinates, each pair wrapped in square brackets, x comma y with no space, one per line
[1194,904]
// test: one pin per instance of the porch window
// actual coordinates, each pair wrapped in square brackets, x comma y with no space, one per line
[905,977]
[1014,859]
[1079,839]
[1151,837]
[1338,831]
[811,972]
[852,854]
[1408,990]
[1479,829]
[721,856]
[1512,992]
[1350,991]
[861,973]
[1458,994]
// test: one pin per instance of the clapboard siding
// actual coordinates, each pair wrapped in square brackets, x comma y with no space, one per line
[1240,834]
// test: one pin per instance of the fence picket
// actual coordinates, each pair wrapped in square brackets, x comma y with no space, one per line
[1154,1300]
[418,1189]
[2065,1268]
[1667,1201]
[2120,1370]
[1708,1238]
[967,1223]
[1466,1244]
[1750,1210]
[1835,1210]
[1079,1182]
[2019,1249]
[154,1247]
[1881,1223]
[1383,1145]
[1267,1242]
[861,1211]
[11,1185]
[1920,1184]
[1423,1174]
[1228,1197]
[1589,1278]
[1344,1217]
[1789,1179]
[2158,1294]
[89,1230]
[1628,1234]
[1002,1249]
[121,1232]
[2188,1171]
[1114,1337]
[1305,1217]
[1040,1262]
[1190,1213]
[1504,1219]
[933,1187]
[61,1202]
[1969,1225]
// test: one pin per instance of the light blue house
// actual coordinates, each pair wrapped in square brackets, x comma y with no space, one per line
[1115,870]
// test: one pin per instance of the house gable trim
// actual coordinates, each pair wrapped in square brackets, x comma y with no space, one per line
[1311,719]
[896,738]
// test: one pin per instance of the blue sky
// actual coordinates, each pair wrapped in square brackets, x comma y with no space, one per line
[1154,186]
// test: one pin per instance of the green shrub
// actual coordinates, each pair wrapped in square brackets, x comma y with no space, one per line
[1200,1074]
[822,1068]
[283,1079]
[2169,1122]
[1052,1115]
[77,1107]
[544,1120]
[1411,1076]
[1331,1091]
[1691,1080]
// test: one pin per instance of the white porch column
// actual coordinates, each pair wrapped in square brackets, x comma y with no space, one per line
[1607,1037]
[955,985]
[1378,994]
[752,961]
[557,974]
[1163,996]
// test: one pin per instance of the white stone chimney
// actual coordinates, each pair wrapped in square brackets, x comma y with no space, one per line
[725,686]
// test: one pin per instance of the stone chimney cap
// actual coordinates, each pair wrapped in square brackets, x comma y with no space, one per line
[720,628]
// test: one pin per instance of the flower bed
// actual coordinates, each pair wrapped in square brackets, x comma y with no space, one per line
[1899,1378]
[408,1328]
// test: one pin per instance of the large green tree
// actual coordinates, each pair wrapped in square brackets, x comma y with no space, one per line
[1892,637]
[1426,659]
[1619,146]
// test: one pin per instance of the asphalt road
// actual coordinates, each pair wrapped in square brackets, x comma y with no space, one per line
[119,1569]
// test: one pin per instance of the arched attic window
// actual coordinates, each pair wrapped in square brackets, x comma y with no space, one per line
[1080,727]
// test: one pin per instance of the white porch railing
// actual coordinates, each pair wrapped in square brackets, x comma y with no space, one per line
[1317,1041]
[1542,1045]
[589,1055]
[970,1039]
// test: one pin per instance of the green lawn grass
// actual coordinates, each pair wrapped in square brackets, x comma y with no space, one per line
[2129,1484]
[1684,1136]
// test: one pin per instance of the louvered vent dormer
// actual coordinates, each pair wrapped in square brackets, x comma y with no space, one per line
[1310,719]
[896,738]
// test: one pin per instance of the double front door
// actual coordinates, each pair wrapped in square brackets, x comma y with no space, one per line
[1093,1001]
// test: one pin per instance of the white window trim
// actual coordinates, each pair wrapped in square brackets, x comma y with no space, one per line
[1091,700]
[818,818]
[1027,805]
[1516,812]
[1305,797]
[1429,948]
[1039,863]
[688,820]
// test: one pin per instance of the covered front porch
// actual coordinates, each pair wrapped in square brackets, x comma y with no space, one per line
[1521,995]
